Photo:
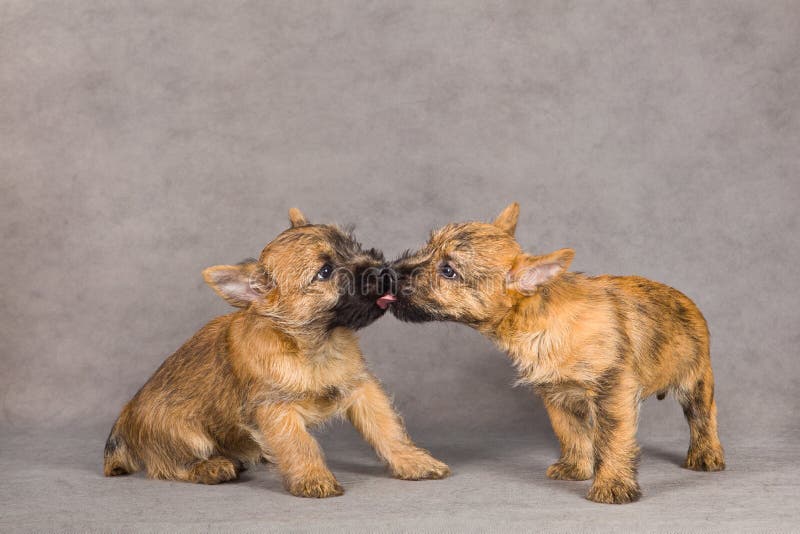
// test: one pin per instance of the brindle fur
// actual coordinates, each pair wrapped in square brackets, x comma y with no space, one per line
[248,386]
[592,347]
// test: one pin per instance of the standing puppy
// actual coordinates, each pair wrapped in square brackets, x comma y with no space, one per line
[592,347]
[248,385]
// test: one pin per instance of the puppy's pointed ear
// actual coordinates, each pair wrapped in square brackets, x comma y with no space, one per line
[297,218]
[530,272]
[240,285]
[507,220]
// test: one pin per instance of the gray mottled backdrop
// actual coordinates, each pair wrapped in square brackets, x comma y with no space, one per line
[141,142]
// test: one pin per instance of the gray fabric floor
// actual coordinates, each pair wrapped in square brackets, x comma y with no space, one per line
[53,482]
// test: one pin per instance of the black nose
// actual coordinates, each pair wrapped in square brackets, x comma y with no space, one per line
[387,281]
[377,281]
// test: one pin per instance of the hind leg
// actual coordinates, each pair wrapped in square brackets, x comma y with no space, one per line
[213,470]
[190,456]
[705,451]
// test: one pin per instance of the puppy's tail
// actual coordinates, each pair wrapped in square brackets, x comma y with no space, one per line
[117,457]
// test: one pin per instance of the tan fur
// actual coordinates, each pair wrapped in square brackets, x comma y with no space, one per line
[592,347]
[249,385]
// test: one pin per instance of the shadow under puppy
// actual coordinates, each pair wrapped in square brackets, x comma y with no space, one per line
[248,385]
[592,347]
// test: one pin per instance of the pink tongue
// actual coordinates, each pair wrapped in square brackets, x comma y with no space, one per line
[384,301]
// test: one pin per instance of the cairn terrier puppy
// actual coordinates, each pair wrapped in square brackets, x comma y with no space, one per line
[593,347]
[248,386]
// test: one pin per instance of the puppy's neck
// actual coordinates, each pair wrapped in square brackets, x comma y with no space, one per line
[536,327]
[258,330]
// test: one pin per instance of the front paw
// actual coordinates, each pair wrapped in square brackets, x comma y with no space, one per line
[614,491]
[705,460]
[418,465]
[562,470]
[316,485]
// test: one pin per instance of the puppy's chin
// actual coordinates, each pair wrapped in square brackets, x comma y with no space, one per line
[356,313]
[413,314]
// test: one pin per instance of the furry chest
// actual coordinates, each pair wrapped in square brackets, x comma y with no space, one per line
[536,358]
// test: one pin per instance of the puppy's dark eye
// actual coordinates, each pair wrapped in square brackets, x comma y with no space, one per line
[447,271]
[325,272]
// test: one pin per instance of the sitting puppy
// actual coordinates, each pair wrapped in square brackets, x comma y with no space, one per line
[248,385]
[592,347]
